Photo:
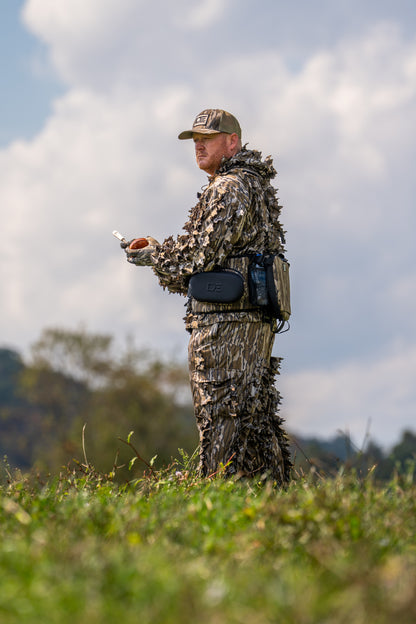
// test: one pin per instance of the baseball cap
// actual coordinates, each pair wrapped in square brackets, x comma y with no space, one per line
[213,121]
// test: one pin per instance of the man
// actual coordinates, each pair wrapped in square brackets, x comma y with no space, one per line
[231,369]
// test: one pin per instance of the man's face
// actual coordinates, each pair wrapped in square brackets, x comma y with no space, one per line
[210,150]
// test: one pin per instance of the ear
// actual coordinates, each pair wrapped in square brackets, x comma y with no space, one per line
[233,142]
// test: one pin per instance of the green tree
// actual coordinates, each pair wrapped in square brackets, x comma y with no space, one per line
[54,402]
[77,354]
[139,402]
[15,424]
[403,454]
[76,378]
[11,366]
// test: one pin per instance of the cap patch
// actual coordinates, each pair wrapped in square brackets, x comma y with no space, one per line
[201,120]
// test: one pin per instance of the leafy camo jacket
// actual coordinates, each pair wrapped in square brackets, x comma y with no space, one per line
[237,214]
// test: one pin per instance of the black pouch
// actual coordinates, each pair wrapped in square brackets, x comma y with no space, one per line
[220,286]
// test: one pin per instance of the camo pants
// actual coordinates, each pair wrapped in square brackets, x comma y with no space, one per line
[236,402]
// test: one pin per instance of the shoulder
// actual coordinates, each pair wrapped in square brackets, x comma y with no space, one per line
[234,182]
[229,191]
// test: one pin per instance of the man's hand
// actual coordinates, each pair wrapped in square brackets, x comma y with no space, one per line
[141,256]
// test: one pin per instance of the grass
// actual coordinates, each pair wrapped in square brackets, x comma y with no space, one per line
[171,548]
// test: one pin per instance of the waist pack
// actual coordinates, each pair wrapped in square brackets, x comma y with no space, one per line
[220,286]
[269,284]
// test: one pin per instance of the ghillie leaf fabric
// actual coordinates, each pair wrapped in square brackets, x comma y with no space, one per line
[232,372]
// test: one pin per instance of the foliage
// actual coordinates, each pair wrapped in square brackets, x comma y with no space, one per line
[76,354]
[76,378]
[172,548]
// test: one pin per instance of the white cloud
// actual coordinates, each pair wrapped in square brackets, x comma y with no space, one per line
[107,42]
[202,15]
[86,174]
[75,33]
[376,396]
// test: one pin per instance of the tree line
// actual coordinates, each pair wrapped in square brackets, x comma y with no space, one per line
[327,457]
[78,397]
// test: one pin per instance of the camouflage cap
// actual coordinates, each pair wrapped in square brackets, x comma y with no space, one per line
[213,121]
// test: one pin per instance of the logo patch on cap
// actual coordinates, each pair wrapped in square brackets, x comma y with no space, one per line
[201,120]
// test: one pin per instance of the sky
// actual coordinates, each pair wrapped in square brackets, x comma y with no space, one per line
[94,94]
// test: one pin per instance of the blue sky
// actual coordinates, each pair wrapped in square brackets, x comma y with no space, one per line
[94,95]
[26,91]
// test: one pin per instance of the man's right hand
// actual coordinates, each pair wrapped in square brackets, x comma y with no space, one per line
[139,251]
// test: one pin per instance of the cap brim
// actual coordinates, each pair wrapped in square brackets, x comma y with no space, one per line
[188,134]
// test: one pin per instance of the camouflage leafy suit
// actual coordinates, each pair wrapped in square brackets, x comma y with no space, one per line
[232,372]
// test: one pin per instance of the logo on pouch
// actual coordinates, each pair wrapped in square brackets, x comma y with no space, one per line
[214,287]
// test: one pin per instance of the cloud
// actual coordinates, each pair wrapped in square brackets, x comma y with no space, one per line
[204,14]
[63,193]
[106,43]
[375,397]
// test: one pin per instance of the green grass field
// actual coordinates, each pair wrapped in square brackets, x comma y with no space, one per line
[174,549]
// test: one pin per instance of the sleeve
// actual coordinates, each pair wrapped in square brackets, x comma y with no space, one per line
[212,234]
